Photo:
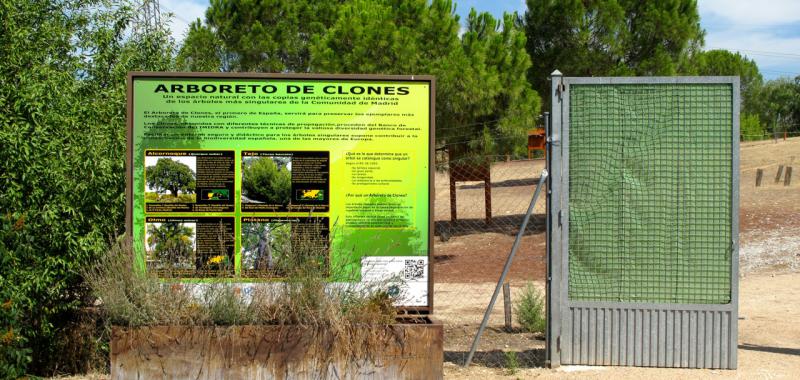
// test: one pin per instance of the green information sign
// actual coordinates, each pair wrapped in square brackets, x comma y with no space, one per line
[229,174]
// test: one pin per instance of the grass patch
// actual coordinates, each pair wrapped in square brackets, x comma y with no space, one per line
[168,198]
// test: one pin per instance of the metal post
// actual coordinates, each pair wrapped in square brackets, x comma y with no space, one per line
[507,267]
[548,156]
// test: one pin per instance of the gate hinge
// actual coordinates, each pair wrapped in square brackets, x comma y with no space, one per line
[560,88]
[560,216]
[558,343]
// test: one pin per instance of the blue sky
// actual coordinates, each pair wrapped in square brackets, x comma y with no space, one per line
[766,31]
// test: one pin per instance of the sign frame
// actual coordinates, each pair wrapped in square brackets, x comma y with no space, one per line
[429,79]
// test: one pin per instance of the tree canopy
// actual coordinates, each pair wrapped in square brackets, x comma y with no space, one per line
[723,62]
[610,37]
[778,104]
[484,105]
[264,181]
[170,175]
[171,242]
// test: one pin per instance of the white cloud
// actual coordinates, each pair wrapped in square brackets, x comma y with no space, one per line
[753,12]
[767,32]
[183,12]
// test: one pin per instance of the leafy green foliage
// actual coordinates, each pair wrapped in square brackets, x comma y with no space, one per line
[265,36]
[170,175]
[14,353]
[62,153]
[530,310]
[264,181]
[496,52]
[266,246]
[484,105]
[751,129]
[202,50]
[610,37]
[512,362]
[723,62]
[778,104]
[171,241]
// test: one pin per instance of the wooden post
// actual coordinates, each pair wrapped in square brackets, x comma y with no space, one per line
[788,179]
[759,175]
[453,213]
[780,173]
[507,304]
[487,194]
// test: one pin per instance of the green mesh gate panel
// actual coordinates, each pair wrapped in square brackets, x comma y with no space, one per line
[650,193]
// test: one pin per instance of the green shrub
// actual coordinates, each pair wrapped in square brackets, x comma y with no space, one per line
[530,309]
[751,128]
[14,355]
[62,158]
[264,181]
[512,362]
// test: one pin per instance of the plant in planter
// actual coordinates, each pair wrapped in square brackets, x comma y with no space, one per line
[302,326]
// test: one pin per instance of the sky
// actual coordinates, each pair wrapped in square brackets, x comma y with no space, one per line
[767,31]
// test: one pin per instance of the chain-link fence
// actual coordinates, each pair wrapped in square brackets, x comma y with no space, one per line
[480,204]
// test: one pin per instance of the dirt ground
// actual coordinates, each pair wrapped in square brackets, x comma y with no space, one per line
[769,335]
[769,343]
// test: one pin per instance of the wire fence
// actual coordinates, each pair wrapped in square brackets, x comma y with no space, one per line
[480,203]
[769,136]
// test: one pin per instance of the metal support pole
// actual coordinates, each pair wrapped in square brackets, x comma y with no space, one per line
[507,267]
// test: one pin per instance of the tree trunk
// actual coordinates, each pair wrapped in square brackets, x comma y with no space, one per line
[263,251]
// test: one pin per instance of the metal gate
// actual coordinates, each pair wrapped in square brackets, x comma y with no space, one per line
[643,221]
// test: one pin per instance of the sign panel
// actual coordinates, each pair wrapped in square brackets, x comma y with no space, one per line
[229,174]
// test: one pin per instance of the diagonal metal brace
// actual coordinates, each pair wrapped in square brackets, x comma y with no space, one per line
[507,267]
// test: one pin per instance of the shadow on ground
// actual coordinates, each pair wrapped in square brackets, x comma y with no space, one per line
[533,358]
[774,350]
[506,183]
[506,224]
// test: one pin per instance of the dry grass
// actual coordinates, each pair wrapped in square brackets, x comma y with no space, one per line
[335,316]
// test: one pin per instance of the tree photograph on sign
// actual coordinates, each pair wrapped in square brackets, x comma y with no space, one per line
[266,245]
[267,180]
[170,179]
[171,245]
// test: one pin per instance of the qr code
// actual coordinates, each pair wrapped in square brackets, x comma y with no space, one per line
[415,269]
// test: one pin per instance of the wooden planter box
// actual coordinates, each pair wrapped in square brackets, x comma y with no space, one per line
[413,351]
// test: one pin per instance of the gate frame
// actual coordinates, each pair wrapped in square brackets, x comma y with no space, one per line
[558,229]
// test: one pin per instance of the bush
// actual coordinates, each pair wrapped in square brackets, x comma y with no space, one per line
[751,128]
[62,159]
[14,355]
[530,310]
[263,180]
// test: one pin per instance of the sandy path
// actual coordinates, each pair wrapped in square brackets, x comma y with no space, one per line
[769,342]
